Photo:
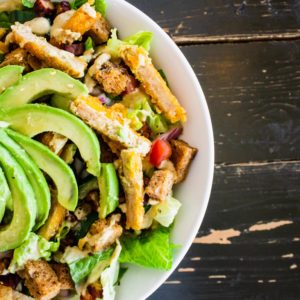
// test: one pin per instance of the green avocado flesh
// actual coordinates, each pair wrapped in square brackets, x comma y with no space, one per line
[34,175]
[40,83]
[9,75]
[5,195]
[61,174]
[24,206]
[109,190]
[32,119]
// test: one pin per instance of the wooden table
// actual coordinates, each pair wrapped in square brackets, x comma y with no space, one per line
[246,55]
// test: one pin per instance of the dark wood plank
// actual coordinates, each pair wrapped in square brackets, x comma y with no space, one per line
[215,20]
[257,264]
[253,92]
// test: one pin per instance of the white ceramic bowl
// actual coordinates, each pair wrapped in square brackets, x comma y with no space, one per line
[139,283]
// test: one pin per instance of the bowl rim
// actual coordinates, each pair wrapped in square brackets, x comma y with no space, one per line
[203,103]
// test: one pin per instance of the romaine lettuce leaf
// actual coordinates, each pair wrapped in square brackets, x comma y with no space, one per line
[100,6]
[107,272]
[28,3]
[9,18]
[81,268]
[141,39]
[151,249]
[165,212]
[140,110]
[34,248]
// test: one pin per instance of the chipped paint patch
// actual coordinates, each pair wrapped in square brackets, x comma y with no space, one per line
[173,282]
[186,270]
[289,255]
[260,281]
[217,276]
[195,258]
[269,226]
[294,266]
[218,237]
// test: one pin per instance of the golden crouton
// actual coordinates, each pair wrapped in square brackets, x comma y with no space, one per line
[100,30]
[54,141]
[112,78]
[3,48]
[40,280]
[110,123]
[102,234]
[64,277]
[182,156]
[18,57]
[131,175]
[6,292]
[50,55]
[160,185]
[82,20]
[3,32]
[137,59]
[56,217]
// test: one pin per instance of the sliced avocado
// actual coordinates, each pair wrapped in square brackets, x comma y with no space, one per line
[88,186]
[40,83]
[68,153]
[9,75]
[5,195]
[24,213]
[34,175]
[61,102]
[109,190]
[32,119]
[61,174]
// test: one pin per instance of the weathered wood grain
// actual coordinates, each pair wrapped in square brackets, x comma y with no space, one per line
[193,21]
[253,92]
[261,263]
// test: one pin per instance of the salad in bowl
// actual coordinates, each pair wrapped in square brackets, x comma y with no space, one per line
[90,152]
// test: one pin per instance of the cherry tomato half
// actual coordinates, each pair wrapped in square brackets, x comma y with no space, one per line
[161,150]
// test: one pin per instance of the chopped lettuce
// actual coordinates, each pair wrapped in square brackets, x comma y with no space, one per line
[100,6]
[9,18]
[165,212]
[140,110]
[34,248]
[81,268]
[28,3]
[141,39]
[151,249]
[77,3]
[107,271]
[71,255]
[89,44]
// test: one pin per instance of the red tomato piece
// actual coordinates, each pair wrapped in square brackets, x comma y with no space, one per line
[161,150]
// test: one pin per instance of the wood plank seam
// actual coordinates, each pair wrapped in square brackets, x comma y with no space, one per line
[235,38]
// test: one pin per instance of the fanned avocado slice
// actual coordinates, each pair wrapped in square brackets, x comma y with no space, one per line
[40,83]
[61,174]
[5,195]
[9,75]
[109,190]
[32,119]
[24,206]
[34,175]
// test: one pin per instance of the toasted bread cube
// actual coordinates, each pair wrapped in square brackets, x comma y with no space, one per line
[137,59]
[131,175]
[112,78]
[82,20]
[47,53]
[56,217]
[110,123]
[102,234]
[160,185]
[6,292]
[62,272]
[182,156]
[40,279]
[100,30]
[54,141]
